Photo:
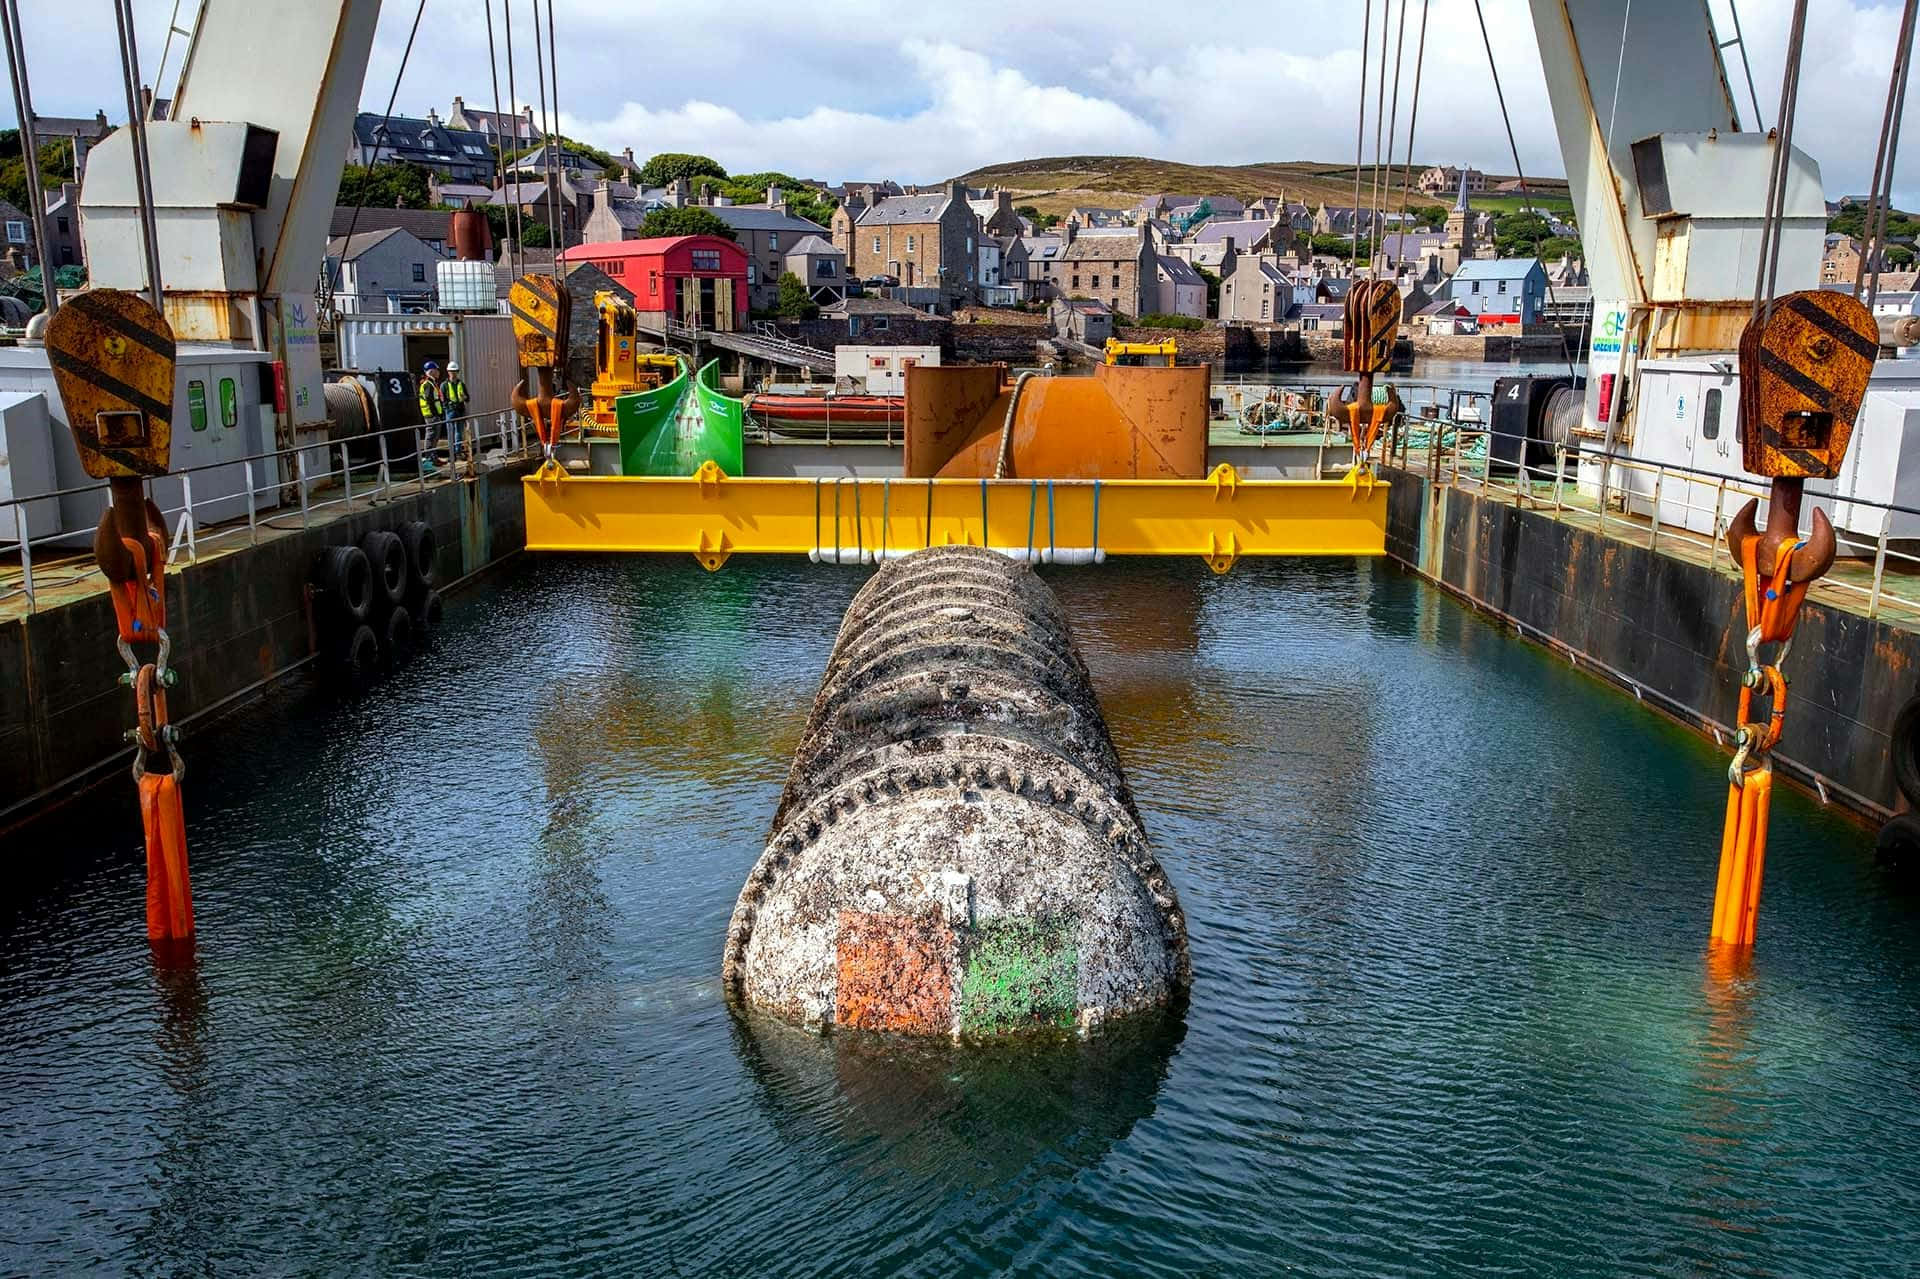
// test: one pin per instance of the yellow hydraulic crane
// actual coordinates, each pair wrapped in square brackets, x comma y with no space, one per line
[1152,354]
[619,369]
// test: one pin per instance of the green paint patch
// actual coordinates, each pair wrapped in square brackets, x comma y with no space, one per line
[1019,974]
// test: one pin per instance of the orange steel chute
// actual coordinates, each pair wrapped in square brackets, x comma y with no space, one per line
[1122,423]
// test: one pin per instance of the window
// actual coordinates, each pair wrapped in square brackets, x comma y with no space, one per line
[1503,286]
[753,273]
[64,227]
[16,232]
[826,268]
[879,323]
[876,244]
[653,283]
[969,244]
[773,239]
[853,326]
[706,259]
[1476,286]
[909,244]
[197,404]
[419,272]
[1076,282]
[1710,415]
[1116,281]
[229,403]
[1264,304]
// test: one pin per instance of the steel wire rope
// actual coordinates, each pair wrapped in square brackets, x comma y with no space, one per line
[1526,192]
[499,141]
[1880,198]
[1413,115]
[1766,273]
[386,122]
[518,218]
[1383,186]
[1360,127]
[556,231]
[553,77]
[1379,122]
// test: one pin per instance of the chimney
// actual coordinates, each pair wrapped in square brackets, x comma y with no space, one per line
[433,117]
[626,157]
[957,190]
[458,104]
[1067,232]
[773,198]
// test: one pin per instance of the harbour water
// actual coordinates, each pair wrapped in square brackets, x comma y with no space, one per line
[455,1006]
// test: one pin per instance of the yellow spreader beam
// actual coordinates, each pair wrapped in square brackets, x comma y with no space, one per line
[860,520]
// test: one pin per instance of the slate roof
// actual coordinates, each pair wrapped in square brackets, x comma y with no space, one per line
[1102,248]
[905,209]
[537,159]
[1246,232]
[1042,248]
[758,217]
[422,142]
[814,244]
[348,248]
[1407,244]
[428,224]
[70,126]
[1496,269]
[1179,272]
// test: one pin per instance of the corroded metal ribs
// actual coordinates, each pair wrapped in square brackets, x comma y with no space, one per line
[956,851]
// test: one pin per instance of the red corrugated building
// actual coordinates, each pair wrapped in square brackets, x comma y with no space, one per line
[696,279]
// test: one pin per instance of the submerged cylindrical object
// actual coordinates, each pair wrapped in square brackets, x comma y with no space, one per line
[956,851]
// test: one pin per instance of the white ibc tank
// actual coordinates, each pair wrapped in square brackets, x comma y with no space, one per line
[467,286]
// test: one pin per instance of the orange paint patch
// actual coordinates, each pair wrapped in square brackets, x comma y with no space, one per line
[895,973]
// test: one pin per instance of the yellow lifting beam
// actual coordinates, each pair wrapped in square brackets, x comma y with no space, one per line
[852,520]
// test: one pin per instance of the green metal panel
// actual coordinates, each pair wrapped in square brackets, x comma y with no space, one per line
[672,429]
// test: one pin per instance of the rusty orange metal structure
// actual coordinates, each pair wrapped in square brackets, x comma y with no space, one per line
[1804,364]
[1123,423]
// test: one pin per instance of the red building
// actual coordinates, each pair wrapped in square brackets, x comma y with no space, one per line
[697,279]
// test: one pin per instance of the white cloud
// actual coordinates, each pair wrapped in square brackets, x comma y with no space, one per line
[834,92]
[974,112]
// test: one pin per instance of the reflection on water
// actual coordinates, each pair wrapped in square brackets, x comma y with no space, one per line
[455,1006]
[971,1117]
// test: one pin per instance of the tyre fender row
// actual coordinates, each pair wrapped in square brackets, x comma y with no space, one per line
[375,602]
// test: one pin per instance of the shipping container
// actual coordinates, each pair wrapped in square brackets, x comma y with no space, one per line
[483,344]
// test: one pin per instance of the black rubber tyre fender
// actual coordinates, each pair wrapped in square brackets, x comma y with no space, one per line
[346,579]
[1905,750]
[397,641]
[1898,847]
[388,560]
[357,656]
[416,536]
[426,615]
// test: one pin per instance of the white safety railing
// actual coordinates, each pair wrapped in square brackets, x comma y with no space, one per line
[1661,509]
[302,487]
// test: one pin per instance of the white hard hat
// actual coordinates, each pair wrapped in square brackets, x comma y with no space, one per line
[453,366]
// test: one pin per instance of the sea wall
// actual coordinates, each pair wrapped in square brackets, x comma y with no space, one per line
[238,622]
[1670,630]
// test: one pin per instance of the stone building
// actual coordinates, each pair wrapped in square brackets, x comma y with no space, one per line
[928,240]
[768,233]
[1118,270]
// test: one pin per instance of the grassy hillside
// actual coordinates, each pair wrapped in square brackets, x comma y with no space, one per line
[1055,184]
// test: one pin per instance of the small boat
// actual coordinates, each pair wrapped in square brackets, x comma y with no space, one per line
[823,414]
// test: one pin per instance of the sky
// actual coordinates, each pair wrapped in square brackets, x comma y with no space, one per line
[866,89]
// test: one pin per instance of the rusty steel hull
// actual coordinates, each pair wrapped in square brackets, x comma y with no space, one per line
[956,851]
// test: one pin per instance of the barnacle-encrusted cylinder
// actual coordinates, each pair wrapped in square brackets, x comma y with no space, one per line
[956,851]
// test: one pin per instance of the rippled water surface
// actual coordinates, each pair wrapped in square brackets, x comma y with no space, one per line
[456,1006]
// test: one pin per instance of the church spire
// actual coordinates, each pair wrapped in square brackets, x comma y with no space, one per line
[1461,203]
